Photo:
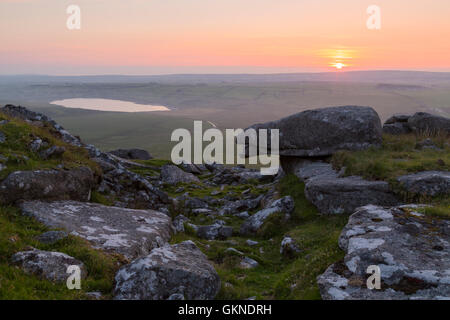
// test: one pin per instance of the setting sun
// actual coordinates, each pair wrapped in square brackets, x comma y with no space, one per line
[339,65]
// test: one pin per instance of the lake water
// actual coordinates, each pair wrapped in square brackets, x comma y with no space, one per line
[108,105]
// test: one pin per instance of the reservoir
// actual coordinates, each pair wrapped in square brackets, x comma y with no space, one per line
[108,105]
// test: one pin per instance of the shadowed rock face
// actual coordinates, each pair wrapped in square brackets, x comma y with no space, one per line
[129,232]
[322,132]
[333,195]
[181,269]
[74,184]
[420,122]
[45,264]
[427,183]
[411,250]
[429,123]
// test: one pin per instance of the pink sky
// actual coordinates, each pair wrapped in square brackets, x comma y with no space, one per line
[203,36]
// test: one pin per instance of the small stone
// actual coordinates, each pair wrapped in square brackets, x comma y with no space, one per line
[243,215]
[233,250]
[251,242]
[215,231]
[215,192]
[178,223]
[49,265]
[289,247]
[94,295]
[179,190]
[426,144]
[248,263]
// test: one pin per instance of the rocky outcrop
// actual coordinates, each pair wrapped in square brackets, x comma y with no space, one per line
[343,195]
[47,264]
[74,184]
[239,206]
[38,119]
[171,174]
[322,132]
[397,124]
[426,183]
[131,189]
[181,270]
[411,250]
[284,206]
[423,122]
[132,154]
[129,232]
[420,122]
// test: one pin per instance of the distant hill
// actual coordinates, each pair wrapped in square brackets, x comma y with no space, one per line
[419,77]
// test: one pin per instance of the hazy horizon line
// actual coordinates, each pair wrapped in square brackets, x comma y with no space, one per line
[211,73]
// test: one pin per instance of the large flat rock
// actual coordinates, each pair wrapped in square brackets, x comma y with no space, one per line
[129,232]
[411,250]
[333,195]
[322,132]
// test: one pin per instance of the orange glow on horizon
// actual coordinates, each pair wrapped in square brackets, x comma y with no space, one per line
[299,36]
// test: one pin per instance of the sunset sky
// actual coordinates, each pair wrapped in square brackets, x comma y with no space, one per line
[222,36]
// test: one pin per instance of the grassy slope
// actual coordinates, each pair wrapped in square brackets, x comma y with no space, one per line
[18,232]
[398,156]
[16,148]
[276,277]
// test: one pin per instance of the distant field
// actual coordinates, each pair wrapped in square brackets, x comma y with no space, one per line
[226,104]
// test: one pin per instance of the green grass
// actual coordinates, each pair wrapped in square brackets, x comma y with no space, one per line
[277,277]
[97,197]
[440,208]
[18,233]
[16,149]
[396,157]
